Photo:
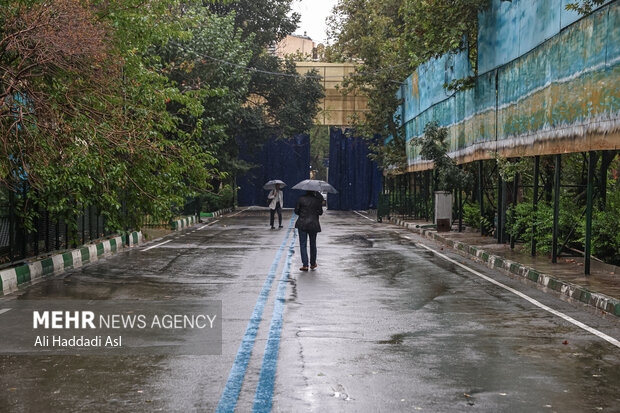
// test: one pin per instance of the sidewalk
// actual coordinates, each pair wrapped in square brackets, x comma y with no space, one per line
[601,289]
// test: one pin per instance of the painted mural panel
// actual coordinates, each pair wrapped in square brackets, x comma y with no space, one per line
[562,94]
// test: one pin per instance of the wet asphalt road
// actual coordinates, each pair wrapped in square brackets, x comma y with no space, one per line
[382,325]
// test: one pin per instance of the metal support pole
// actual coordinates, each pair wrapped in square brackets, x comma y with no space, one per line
[47,231]
[11,223]
[556,208]
[415,197]
[588,240]
[605,157]
[35,235]
[481,194]
[427,183]
[500,186]
[515,189]
[83,225]
[460,210]
[57,233]
[535,202]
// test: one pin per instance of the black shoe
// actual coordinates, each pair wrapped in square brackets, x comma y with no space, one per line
[273,227]
[280,227]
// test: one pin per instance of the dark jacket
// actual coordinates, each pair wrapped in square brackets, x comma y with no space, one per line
[308,208]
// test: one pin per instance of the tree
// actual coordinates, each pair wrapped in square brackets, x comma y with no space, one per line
[390,39]
[278,102]
[83,111]
[434,147]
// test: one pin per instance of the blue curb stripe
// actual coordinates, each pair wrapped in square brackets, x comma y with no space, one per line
[228,401]
[264,391]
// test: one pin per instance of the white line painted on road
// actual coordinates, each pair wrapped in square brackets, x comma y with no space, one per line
[210,223]
[4,310]
[364,216]
[237,213]
[530,299]
[157,245]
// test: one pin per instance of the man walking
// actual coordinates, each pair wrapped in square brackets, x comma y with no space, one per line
[277,200]
[309,207]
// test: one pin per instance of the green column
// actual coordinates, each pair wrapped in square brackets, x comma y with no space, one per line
[481,193]
[556,208]
[588,240]
[535,202]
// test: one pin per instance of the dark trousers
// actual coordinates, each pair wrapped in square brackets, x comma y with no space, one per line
[303,242]
[273,213]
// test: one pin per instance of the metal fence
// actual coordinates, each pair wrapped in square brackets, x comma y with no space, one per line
[47,235]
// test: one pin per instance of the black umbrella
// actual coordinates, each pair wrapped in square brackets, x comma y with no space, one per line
[272,184]
[315,185]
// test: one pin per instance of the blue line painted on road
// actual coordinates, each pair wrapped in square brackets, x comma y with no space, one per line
[264,391]
[229,398]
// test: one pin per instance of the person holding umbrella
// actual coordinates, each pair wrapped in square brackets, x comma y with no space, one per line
[309,207]
[277,200]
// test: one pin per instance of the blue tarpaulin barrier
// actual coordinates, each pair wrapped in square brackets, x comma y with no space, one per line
[357,178]
[284,159]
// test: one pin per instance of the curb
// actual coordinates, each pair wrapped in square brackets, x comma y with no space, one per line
[182,223]
[188,221]
[12,278]
[221,212]
[576,292]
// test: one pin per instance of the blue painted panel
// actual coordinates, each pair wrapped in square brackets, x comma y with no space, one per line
[539,21]
[613,35]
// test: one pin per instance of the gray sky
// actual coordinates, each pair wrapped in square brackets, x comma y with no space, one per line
[313,14]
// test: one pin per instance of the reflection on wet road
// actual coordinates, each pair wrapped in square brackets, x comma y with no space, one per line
[383,324]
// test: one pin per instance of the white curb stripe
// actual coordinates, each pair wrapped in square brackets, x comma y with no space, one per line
[9,280]
[4,310]
[92,253]
[77,258]
[59,263]
[36,270]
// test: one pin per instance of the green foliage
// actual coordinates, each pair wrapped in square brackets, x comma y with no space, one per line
[211,202]
[433,28]
[472,217]
[319,150]
[389,39]
[521,219]
[369,32]
[606,230]
[434,147]
[584,6]
[127,108]
[508,169]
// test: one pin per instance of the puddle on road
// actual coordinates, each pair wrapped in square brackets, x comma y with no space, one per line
[396,339]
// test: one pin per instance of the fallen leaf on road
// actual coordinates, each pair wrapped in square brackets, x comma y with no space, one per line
[12,389]
[565,342]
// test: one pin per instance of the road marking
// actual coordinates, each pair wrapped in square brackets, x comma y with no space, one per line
[364,216]
[531,300]
[237,213]
[210,223]
[264,391]
[4,310]
[157,245]
[228,400]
